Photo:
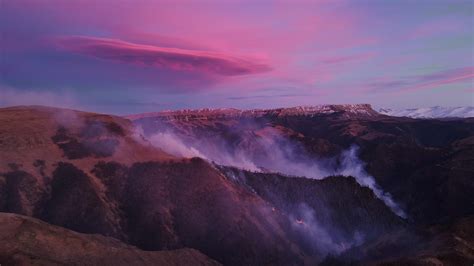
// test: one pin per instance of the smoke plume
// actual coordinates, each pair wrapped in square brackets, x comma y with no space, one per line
[304,220]
[267,150]
[351,165]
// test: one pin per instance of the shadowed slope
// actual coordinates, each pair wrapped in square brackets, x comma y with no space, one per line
[53,168]
[28,241]
[96,174]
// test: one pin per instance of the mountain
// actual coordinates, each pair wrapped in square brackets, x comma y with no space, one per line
[420,169]
[290,186]
[431,112]
[94,174]
[348,110]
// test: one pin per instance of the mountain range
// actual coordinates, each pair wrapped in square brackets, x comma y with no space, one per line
[328,185]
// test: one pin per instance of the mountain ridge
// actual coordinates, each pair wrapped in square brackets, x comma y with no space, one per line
[431,112]
[103,174]
[365,110]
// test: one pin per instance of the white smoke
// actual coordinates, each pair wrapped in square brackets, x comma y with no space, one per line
[304,220]
[351,165]
[170,143]
[269,151]
[174,145]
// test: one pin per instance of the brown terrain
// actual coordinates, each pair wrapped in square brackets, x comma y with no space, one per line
[427,165]
[28,241]
[105,195]
[75,173]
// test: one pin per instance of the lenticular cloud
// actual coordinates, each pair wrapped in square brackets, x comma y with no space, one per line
[165,57]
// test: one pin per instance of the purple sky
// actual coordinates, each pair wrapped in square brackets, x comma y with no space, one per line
[139,56]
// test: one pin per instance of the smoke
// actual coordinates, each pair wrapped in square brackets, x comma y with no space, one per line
[173,145]
[209,149]
[304,221]
[68,118]
[314,227]
[351,165]
[79,136]
[264,149]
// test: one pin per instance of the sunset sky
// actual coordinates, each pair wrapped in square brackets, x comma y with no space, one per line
[138,56]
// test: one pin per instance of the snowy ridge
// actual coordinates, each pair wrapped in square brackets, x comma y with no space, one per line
[346,110]
[431,112]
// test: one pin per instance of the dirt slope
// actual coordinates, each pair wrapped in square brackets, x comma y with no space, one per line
[28,241]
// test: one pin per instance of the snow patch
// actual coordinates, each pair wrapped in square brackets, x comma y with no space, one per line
[431,112]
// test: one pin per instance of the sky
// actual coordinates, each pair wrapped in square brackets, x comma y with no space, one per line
[133,56]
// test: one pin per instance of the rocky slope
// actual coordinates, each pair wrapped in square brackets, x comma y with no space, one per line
[106,175]
[337,207]
[405,156]
[435,245]
[425,165]
[28,241]
[336,213]
[90,173]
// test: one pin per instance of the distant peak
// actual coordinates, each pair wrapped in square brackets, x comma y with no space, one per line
[431,112]
[345,110]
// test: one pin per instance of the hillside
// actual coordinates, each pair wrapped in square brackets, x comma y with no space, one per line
[423,166]
[28,241]
[106,175]
[402,154]
[76,173]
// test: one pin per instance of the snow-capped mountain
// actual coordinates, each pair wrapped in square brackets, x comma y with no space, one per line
[345,110]
[431,112]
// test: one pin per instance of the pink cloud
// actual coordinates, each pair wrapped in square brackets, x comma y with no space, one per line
[443,78]
[164,57]
[422,82]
